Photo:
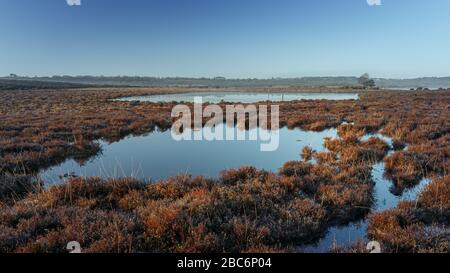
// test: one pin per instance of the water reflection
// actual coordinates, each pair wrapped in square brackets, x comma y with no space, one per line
[242,97]
[347,235]
[157,155]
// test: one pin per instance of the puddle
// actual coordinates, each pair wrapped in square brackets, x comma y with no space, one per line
[346,236]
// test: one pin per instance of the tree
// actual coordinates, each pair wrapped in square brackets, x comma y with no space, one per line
[366,81]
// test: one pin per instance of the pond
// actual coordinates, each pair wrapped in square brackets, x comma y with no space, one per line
[241,97]
[157,155]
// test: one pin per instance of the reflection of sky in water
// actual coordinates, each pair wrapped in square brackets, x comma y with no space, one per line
[242,97]
[158,156]
[348,234]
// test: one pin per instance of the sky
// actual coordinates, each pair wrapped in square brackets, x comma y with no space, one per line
[230,38]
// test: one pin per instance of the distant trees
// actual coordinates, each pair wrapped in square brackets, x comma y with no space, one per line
[366,81]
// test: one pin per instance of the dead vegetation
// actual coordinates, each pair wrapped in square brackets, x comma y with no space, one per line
[15,187]
[407,167]
[184,214]
[420,226]
[244,210]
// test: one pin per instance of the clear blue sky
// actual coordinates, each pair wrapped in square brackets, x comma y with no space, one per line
[231,38]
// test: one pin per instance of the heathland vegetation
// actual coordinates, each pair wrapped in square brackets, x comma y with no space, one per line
[353,82]
[245,209]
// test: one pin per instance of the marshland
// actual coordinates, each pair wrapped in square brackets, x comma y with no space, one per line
[94,166]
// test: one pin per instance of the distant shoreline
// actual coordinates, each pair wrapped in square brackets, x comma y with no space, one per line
[18,82]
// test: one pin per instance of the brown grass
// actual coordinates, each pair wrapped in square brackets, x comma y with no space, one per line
[406,168]
[41,128]
[183,214]
[246,209]
[420,226]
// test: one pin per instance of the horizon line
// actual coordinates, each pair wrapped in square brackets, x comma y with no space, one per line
[10,76]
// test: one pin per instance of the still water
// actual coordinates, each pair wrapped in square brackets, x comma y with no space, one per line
[157,156]
[241,97]
[347,235]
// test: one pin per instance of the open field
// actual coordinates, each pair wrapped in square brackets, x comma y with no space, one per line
[244,210]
